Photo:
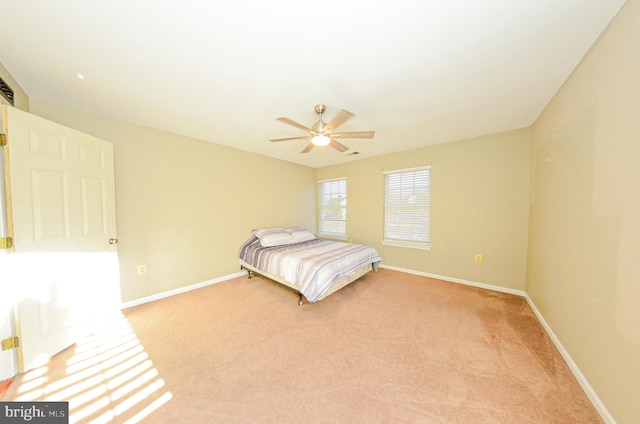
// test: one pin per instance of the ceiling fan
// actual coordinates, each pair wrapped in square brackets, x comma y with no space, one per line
[322,133]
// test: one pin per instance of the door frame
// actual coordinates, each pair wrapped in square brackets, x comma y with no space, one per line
[8,358]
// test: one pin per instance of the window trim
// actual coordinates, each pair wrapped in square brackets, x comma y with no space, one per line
[405,243]
[335,236]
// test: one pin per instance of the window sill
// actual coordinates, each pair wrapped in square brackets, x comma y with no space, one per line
[408,244]
[332,237]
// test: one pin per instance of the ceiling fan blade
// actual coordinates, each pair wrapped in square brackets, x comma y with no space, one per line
[354,134]
[304,137]
[342,117]
[338,146]
[308,148]
[295,124]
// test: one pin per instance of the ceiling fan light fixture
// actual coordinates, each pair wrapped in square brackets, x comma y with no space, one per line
[320,140]
[322,133]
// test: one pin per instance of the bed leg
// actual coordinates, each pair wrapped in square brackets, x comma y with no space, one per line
[300,299]
[248,271]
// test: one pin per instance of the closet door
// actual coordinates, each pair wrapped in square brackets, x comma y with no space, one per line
[61,206]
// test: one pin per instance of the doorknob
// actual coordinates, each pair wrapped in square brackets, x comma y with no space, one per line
[113,241]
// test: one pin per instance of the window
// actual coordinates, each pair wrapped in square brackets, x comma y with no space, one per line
[333,208]
[407,207]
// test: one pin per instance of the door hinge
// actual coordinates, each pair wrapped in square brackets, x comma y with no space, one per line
[6,242]
[11,343]
[3,139]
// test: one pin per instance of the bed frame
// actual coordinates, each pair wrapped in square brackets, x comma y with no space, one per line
[337,285]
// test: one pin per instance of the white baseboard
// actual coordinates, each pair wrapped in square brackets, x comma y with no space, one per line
[457,280]
[180,290]
[582,380]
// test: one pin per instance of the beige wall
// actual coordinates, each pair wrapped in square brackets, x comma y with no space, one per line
[184,206]
[584,250]
[480,190]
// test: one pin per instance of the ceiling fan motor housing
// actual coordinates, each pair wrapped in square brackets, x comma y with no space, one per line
[319,126]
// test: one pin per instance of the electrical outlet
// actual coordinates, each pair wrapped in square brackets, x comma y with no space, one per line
[478,259]
[142,269]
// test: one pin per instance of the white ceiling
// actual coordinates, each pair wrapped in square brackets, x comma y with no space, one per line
[418,72]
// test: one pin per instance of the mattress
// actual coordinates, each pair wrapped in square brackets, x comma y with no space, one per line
[315,268]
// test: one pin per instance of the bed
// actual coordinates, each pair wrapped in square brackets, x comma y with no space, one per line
[312,267]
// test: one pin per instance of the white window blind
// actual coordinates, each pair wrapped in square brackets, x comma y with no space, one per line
[333,208]
[407,207]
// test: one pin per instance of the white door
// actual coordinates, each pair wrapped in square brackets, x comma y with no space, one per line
[63,270]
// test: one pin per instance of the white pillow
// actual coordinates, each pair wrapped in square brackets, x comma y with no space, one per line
[270,237]
[300,234]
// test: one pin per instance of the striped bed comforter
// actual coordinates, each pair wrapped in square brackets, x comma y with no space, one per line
[312,266]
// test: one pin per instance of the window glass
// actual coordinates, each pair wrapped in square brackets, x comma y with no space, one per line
[407,207]
[333,208]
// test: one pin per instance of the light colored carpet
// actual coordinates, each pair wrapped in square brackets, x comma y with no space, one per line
[389,348]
